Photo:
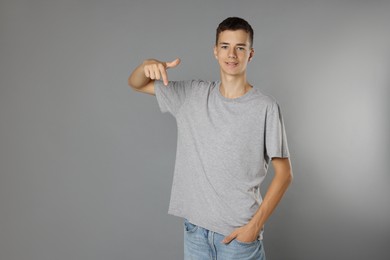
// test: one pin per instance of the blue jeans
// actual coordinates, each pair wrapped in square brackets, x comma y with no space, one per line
[203,244]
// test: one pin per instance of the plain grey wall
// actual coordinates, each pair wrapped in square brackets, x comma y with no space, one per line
[86,163]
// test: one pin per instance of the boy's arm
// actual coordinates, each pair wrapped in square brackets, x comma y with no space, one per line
[142,78]
[280,182]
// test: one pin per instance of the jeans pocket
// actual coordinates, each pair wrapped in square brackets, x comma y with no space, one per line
[247,244]
[245,250]
[189,227]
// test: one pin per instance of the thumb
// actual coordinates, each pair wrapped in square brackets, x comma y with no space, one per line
[172,64]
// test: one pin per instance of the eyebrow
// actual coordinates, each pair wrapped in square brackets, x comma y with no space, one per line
[226,43]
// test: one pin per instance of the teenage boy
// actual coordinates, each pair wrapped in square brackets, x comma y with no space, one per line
[228,132]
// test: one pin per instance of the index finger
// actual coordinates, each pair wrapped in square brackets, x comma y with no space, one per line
[229,238]
[164,74]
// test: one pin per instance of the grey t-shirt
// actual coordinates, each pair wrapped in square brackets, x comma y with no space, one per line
[224,147]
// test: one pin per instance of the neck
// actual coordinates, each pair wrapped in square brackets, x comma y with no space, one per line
[233,87]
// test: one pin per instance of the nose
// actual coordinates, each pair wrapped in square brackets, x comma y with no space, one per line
[232,53]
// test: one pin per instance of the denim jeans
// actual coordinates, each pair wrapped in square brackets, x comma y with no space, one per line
[203,244]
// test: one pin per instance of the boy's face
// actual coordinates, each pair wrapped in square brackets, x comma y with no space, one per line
[233,52]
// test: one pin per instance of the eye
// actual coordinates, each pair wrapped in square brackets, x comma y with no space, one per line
[224,47]
[241,48]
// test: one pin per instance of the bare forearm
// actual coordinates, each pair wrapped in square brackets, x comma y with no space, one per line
[278,186]
[137,78]
[275,192]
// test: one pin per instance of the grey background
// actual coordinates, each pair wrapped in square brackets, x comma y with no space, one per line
[86,163]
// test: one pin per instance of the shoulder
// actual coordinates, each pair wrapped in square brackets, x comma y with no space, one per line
[202,86]
[190,82]
[203,83]
[265,99]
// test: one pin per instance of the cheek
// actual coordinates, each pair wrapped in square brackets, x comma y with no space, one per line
[246,56]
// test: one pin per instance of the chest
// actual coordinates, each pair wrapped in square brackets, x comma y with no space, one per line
[225,123]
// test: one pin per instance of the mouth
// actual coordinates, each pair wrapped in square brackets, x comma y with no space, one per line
[231,64]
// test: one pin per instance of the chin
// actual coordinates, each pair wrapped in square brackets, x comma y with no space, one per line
[233,72]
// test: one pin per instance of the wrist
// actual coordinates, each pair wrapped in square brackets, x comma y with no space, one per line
[257,221]
[255,225]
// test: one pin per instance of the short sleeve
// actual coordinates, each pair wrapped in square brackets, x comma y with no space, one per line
[275,134]
[171,97]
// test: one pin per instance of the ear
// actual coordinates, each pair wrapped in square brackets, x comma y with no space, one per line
[215,52]
[251,54]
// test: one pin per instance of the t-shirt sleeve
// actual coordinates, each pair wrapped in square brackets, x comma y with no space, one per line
[275,134]
[171,97]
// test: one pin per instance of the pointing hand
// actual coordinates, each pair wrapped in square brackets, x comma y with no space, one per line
[155,69]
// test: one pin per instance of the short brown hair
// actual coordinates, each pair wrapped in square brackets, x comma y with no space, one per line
[233,24]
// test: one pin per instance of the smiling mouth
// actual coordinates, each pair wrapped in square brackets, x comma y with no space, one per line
[231,64]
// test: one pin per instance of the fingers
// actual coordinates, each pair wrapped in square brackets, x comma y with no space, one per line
[168,65]
[229,238]
[158,70]
[163,74]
